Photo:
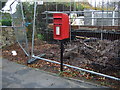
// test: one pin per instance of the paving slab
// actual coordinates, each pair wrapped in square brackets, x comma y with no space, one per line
[19,76]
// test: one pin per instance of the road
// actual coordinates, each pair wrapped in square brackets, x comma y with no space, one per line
[19,76]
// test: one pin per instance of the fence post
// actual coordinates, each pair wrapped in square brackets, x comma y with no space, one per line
[92,18]
[33,33]
[1,12]
[119,15]
[113,20]
[61,55]
[0,5]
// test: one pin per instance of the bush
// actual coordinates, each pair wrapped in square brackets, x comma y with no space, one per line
[6,22]
[40,36]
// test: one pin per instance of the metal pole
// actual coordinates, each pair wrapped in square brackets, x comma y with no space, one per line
[100,74]
[95,5]
[78,12]
[93,18]
[56,6]
[23,49]
[46,31]
[113,20]
[70,21]
[63,7]
[33,34]
[102,21]
[24,30]
[119,15]
[61,55]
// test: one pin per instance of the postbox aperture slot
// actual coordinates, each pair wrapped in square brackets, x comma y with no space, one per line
[58,16]
[57,24]
[57,21]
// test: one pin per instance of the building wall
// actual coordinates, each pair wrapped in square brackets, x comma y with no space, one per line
[7,36]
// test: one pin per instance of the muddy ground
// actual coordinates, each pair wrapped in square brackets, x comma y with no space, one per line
[93,54]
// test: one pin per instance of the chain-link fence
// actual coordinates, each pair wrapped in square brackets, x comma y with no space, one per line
[19,26]
[94,36]
[94,40]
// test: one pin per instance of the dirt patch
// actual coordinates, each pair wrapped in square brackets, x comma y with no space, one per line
[93,54]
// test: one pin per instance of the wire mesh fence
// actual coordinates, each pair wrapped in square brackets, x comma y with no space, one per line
[19,27]
[94,40]
[94,36]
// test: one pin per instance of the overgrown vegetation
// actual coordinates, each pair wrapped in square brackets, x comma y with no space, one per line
[6,19]
[28,12]
[6,22]
[52,6]
[41,24]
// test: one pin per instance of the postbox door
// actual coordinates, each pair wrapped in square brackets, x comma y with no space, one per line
[61,26]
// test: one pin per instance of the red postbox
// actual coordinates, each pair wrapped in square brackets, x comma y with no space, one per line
[61,26]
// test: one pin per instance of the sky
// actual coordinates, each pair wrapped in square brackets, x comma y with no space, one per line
[92,2]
